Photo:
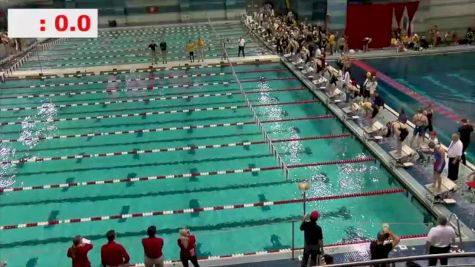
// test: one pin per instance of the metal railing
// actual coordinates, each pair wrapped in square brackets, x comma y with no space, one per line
[406,259]
[457,228]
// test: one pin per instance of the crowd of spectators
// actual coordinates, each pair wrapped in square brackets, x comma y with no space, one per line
[434,38]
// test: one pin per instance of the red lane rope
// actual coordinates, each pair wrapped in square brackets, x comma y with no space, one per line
[186,85]
[151,98]
[165,129]
[199,210]
[182,175]
[172,149]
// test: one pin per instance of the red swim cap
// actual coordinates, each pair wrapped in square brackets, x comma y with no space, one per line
[314,215]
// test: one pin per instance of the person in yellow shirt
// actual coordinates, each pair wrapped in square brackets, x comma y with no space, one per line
[331,42]
[190,48]
[200,45]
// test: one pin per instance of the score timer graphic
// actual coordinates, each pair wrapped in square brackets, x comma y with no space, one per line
[52,23]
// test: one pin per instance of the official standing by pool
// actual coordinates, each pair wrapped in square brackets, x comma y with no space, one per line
[313,237]
[241,45]
[465,131]
[439,240]
[454,152]
[163,48]
[153,53]
[114,254]
[152,246]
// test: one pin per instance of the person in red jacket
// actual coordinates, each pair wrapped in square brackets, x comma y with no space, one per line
[78,252]
[187,244]
[152,247]
[114,254]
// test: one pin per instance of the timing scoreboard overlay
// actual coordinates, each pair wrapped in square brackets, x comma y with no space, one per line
[52,23]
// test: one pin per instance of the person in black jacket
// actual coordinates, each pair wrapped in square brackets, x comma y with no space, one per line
[313,236]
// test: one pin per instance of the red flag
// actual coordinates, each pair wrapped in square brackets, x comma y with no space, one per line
[153,9]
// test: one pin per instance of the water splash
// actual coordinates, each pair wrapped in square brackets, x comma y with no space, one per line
[7,170]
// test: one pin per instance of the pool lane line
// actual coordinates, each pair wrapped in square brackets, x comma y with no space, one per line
[138,89]
[144,114]
[166,129]
[167,77]
[151,99]
[183,175]
[203,209]
[409,92]
[172,149]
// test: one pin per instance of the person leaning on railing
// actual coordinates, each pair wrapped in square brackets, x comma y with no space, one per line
[439,240]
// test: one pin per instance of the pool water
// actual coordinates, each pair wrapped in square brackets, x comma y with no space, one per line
[126,46]
[446,80]
[219,232]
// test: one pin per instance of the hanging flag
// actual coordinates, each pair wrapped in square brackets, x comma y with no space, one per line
[153,9]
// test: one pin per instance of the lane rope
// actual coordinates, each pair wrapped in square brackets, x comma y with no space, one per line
[199,210]
[172,149]
[165,129]
[135,89]
[183,175]
[148,99]
[150,113]
[167,77]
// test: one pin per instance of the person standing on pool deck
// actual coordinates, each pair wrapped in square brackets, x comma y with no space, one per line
[78,252]
[429,112]
[439,240]
[241,44]
[385,241]
[200,45]
[439,164]
[114,254]
[313,236]
[465,131]
[187,244]
[153,53]
[420,121]
[152,246]
[454,153]
[401,132]
[224,43]
[190,48]
[163,48]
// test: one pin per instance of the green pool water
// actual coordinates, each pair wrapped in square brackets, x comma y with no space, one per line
[218,232]
[131,47]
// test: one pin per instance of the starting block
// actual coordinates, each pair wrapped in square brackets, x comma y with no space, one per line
[374,129]
[438,196]
[335,93]
[350,110]
[402,160]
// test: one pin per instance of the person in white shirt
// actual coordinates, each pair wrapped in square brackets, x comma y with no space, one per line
[242,42]
[454,153]
[439,240]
